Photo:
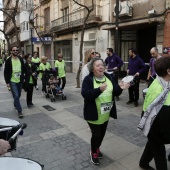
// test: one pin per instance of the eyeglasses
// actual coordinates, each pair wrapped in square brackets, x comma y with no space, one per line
[93,53]
[15,50]
[99,82]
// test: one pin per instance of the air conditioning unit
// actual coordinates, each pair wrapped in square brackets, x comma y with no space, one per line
[125,9]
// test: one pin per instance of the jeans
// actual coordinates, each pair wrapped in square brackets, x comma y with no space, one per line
[16,92]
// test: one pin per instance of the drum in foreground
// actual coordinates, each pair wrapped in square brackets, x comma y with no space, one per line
[12,163]
[5,123]
[144,92]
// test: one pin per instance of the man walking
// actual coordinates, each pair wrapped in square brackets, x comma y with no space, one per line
[113,64]
[152,74]
[136,67]
[14,75]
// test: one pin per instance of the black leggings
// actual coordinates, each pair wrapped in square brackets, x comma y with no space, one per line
[98,133]
[29,93]
[63,82]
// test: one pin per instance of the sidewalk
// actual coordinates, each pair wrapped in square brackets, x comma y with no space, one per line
[60,139]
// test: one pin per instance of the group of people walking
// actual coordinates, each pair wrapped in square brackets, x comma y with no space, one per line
[99,90]
[23,72]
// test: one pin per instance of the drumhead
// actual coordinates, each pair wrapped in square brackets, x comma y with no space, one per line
[8,122]
[145,90]
[12,163]
[127,79]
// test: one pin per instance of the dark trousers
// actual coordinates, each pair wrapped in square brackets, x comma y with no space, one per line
[63,82]
[134,92]
[156,150]
[151,79]
[43,85]
[30,88]
[98,133]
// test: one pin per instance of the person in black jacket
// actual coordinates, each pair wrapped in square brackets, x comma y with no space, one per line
[30,79]
[14,75]
[98,91]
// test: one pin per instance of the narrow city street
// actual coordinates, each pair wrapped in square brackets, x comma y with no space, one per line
[58,137]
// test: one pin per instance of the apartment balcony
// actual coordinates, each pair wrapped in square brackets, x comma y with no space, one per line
[45,30]
[10,28]
[76,19]
[42,2]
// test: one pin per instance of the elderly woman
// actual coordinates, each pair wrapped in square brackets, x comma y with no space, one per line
[44,66]
[156,117]
[98,91]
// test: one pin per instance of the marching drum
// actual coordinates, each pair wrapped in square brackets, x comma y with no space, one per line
[6,132]
[12,163]
[144,92]
[129,79]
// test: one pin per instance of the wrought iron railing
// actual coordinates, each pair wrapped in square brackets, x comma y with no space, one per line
[76,18]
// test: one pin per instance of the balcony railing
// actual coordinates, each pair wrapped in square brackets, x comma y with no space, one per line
[76,19]
[44,1]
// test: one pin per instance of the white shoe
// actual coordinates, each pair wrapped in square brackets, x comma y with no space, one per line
[36,87]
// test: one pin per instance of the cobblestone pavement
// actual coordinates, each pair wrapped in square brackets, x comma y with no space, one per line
[60,139]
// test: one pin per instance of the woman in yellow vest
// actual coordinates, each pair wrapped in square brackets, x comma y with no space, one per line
[98,91]
[155,121]
[44,66]
[61,70]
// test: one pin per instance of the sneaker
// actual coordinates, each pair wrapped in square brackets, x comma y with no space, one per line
[31,104]
[136,104]
[28,105]
[36,87]
[146,168]
[100,155]
[129,102]
[20,115]
[94,158]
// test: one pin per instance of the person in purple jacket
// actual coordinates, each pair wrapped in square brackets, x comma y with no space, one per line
[113,63]
[136,67]
[152,74]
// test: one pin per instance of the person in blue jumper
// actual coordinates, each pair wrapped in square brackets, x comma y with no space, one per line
[136,67]
[113,63]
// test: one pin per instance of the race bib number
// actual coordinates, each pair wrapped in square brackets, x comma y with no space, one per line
[17,74]
[106,107]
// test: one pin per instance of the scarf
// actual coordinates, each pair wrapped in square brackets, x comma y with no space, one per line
[154,108]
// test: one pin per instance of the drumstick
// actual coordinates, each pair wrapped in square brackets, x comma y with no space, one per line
[23,126]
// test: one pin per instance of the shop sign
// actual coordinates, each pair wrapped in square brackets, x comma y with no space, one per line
[43,39]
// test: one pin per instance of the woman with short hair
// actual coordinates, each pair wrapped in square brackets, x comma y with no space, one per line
[156,117]
[98,91]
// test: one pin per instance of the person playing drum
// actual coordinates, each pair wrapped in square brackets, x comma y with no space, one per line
[4,146]
[136,67]
[152,74]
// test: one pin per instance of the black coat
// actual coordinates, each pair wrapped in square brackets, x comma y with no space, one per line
[90,94]
[8,70]
[28,73]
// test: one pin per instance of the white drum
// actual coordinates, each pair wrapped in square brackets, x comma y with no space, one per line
[12,163]
[4,123]
[144,92]
[128,79]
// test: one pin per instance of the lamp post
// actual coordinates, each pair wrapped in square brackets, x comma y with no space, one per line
[117,27]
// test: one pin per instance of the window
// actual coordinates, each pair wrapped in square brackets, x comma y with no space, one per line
[65,15]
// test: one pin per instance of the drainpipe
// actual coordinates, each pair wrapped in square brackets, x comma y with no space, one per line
[117,27]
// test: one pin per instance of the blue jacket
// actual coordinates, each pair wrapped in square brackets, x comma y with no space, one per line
[113,61]
[90,94]
[136,65]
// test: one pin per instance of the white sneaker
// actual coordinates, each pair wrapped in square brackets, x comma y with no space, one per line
[36,87]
